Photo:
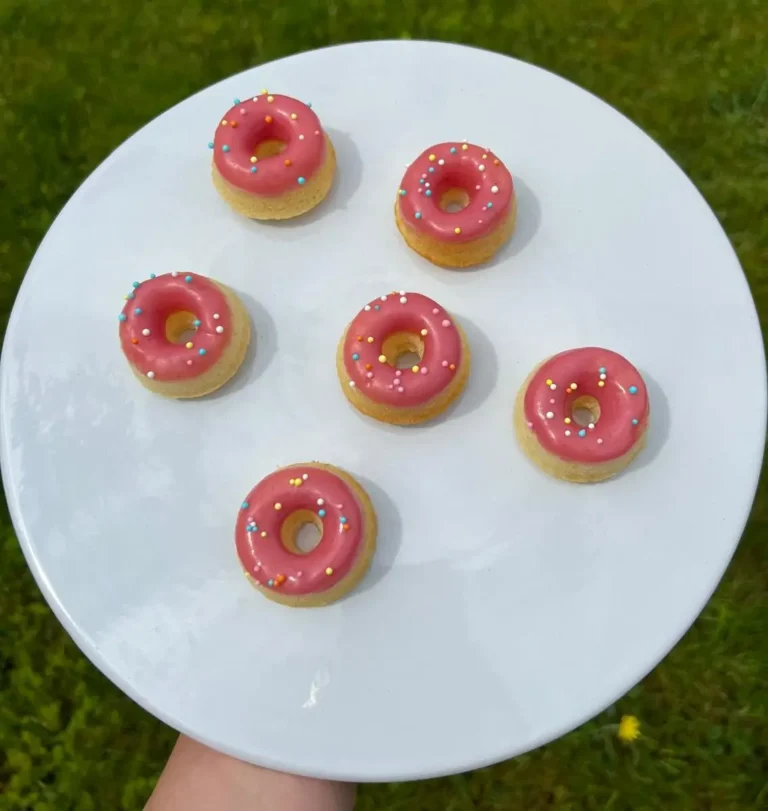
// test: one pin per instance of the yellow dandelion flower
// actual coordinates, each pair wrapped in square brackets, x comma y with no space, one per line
[629,728]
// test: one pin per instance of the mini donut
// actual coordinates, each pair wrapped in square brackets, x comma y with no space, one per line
[379,335]
[183,334]
[272,160]
[271,516]
[469,178]
[553,400]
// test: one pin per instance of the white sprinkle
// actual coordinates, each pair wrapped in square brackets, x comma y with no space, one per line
[446,322]
[567,433]
[465,140]
[321,501]
[216,316]
[367,307]
[591,425]
[175,273]
[301,137]
[369,375]
[400,389]
[441,162]
[481,167]
[189,363]
[255,98]
[145,332]
[426,185]
[402,292]
[478,187]
[550,415]
[242,111]
[480,222]
[151,375]
[219,330]
[553,386]
[599,441]
[351,384]
[530,425]
[602,377]
[494,189]
[403,300]
[435,311]
[317,132]
[305,476]
[383,298]
[552,400]
[444,363]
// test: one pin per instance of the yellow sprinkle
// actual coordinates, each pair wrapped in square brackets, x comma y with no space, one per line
[370,339]
[574,386]
[278,505]
[485,156]
[567,420]
[423,332]
[189,344]
[457,230]
[224,123]
[290,481]
[293,116]
[414,368]
[382,358]
[254,159]
[549,382]
[464,147]
[601,383]
[264,534]
[329,571]
[270,99]
[264,91]
[298,482]
[433,157]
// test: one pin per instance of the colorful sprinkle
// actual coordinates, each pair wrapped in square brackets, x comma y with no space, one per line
[635,421]
[321,501]
[121,317]
[301,181]
[268,119]
[633,389]
[145,332]
[329,571]
[189,344]
[201,352]
[355,356]
[601,383]
[453,150]
[342,520]
[210,144]
[494,189]
[549,415]
[196,323]
[402,192]
[187,279]
[244,505]
[151,375]
[457,230]
[287,161]
[254,169]
[278,505]
[418,215]
[446,322]
[225,148]
[219,330]
[582,433]
[602,370]
[293,116]
[429,192]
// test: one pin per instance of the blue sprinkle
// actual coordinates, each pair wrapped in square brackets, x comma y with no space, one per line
[137,311]
[418,215]
[429,192]
[254,169]
[121,317]
[601,370]
[236,101]
[130,295]
[270,582]
[187,279]
[136,284]
[301,181]
[225,148]
[582,432]
[210,144]
[152,275]
[633,389]
[342,520]
[309,104]
[202,352]
[321,513]
[244,505]
[453,150]
[490,205]
[422,181]
[196,323]
[355,356]
[634,422]
[431,168]
[376,307]
[402,192]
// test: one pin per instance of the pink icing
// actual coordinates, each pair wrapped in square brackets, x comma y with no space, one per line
[257,532]
[622,399]
[292,122]
[402,312]
[148,307]
[456,166]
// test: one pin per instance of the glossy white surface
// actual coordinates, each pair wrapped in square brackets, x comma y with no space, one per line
[503,607]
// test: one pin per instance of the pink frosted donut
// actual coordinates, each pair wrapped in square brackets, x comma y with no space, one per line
[380,334]
[271,157]
[271,516]
[582,415]
[183,334]
[456,176]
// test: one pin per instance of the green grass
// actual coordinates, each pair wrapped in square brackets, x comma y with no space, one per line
[78,78]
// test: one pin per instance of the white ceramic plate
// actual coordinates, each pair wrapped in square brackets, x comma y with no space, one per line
[503,607]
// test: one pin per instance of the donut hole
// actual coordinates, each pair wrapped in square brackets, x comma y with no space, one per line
[403,350]
[268,148]
[180,327]
[301,532]
[454,200]
[585,410]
